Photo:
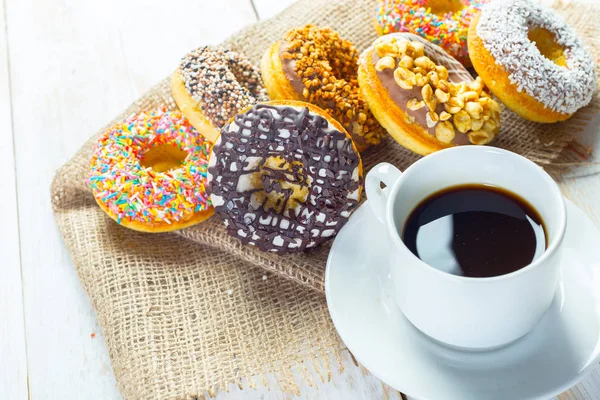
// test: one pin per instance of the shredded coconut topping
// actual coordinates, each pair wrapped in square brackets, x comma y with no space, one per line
[503,28]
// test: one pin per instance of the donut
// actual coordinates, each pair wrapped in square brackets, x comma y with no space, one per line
[284,176]
[211,85]
[531,60]
[425,99]
[148,172]
[442,22]
[315,65]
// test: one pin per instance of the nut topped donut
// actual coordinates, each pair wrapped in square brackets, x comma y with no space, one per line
[531,60]
[424,98]
[213,84]
[315,65]
[284,176]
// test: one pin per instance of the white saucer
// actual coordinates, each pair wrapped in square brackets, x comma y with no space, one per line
[560,350]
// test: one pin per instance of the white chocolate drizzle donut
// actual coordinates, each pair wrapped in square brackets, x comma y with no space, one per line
[504,27]
[284,178]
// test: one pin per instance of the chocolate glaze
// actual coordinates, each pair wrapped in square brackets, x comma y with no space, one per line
[324,158]
[401,96]
[289,69]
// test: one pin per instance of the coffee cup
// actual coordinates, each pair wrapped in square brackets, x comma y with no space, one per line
[467,312]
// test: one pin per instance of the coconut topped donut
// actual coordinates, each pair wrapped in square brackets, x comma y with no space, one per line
[284,176]
[541,55]
[213,84]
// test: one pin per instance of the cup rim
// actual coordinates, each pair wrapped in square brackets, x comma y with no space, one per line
[552,248]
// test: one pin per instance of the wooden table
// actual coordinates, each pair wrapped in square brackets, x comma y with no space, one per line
[66,68]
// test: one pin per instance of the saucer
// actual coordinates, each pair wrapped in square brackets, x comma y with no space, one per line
[554,356]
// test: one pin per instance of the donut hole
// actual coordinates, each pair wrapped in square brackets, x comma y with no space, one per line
[163,158]
[545,42]
[283,184]
[443,7]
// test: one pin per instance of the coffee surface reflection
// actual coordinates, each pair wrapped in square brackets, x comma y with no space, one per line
[476,231]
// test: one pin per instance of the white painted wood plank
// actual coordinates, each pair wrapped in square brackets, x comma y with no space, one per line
[585,193]
[13,355]
[152,54]
[269,8]
[67,79]
[74,66]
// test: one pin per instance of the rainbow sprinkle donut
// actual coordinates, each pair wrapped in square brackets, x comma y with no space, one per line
[148,172]
[442,22]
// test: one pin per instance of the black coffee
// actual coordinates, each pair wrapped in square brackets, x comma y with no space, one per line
[475,230]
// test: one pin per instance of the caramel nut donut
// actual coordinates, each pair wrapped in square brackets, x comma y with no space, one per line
[213,84]
[424,98]
[315,65]
[284,176]
[531,60]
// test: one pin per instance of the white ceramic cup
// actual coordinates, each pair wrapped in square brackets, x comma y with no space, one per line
[477,313]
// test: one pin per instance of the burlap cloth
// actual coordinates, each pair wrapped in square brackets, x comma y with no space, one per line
[187,314]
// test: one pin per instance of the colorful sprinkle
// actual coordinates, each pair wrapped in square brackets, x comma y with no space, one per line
[415,16]
[131,192]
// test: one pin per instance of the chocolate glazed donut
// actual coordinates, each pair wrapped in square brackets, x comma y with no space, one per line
[284,176]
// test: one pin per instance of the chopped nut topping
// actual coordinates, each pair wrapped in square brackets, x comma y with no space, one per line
[454,105]
[419,70]
[476,85]
[431,118]
[386,62]
[414,104]
[443,85]
[386,49]
[406,62]
[441,96]
[480,137]
[469,96]
[474,109]
[444,132]
[427,93]
[425,63]
[416,49]
[442,72]
[462,121]
[489,125]
[444,116]
[402,47]
[404,78]
[433,78]
[476,124]
[421,79]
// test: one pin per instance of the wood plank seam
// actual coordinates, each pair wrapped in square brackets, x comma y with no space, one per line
[255,10]
[12,133]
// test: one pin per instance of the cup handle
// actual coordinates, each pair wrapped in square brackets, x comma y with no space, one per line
[378,197]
